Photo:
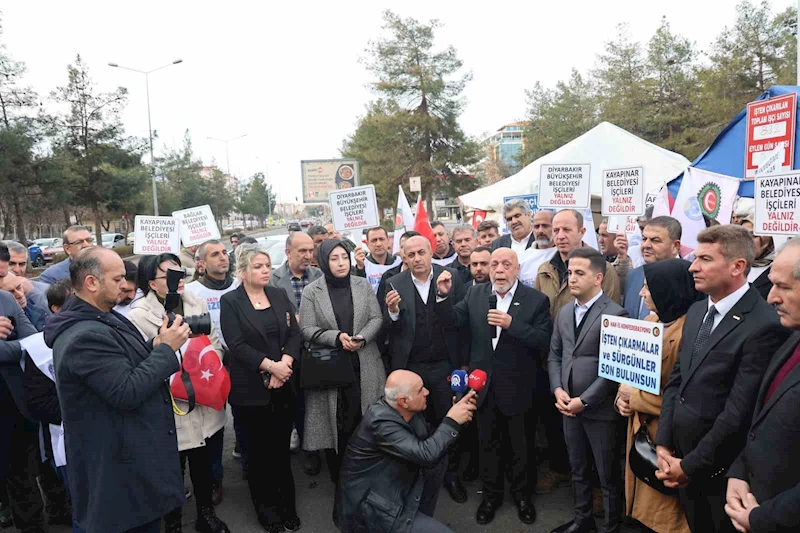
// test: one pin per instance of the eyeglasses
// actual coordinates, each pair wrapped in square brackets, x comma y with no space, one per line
[88,240]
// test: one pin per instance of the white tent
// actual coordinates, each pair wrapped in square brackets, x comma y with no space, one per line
[604,147]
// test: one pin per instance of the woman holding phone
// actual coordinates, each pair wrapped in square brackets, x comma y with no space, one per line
[341,311]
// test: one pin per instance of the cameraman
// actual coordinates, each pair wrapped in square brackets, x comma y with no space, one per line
[198,430]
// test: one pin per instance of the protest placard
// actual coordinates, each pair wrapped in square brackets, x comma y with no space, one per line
[623,191]
[156,235]
[630,352]
[355,208]
[776,199]
[563,186]
[770,124]
[197,225]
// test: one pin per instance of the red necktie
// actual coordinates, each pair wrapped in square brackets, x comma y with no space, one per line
[785,370]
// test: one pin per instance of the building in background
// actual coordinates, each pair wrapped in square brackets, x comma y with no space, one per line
[505,147]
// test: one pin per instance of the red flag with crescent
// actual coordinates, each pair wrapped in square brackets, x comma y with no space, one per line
[477,218]
[210,379]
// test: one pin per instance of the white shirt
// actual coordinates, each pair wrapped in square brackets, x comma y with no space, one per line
[503,304]
[520,246]
[581,310]
[423,288]
[726,304]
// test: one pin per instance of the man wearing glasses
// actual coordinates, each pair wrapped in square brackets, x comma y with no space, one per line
[76,238]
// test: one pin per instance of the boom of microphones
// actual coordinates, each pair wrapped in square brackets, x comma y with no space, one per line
[460,382]
[477,380]
[492,329]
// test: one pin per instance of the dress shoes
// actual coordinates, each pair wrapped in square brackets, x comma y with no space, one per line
[486,511]
[455,489]
[526,511]
[575,527]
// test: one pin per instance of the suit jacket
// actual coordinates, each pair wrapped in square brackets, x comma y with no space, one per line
[762,283]
[769,461]
[282,278]
[56,272]
[511,367]
[708,406]
[631,300]
[401,333]
[504,241]
[579,358]
[11,351]
[245,338]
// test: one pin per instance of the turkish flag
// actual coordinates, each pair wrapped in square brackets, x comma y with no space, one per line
[210,380]
[422,225]
[477,218]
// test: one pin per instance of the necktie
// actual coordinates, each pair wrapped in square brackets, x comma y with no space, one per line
[704,333]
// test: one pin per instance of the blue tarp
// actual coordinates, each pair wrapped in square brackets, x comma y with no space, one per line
[726,153]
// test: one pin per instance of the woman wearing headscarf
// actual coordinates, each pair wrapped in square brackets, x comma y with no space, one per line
[765,253]
[341,310]
[668,292]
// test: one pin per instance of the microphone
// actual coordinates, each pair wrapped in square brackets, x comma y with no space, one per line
[477,380]
[492,329]
[458,383]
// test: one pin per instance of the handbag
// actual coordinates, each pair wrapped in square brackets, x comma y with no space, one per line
[643,461]
[325,367]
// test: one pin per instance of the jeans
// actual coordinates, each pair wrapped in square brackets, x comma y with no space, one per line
[62,473]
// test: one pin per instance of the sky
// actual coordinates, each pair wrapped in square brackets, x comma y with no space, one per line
[288,75]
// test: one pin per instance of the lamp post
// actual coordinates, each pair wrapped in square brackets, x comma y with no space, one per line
[149,124]
[226,141]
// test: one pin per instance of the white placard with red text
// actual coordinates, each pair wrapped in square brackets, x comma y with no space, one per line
[770,123]
[197,225]
[156,235]
[565,186]
[777,198]
[354,208]
[623,192]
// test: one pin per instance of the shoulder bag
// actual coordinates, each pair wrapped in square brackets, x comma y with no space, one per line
[325,367]
[644,461]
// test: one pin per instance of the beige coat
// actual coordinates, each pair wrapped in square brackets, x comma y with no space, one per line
[203,422]
[659,512]
[547,282]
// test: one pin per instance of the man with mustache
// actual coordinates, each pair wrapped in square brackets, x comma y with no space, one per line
[709,399]
[525,234]
[488,232]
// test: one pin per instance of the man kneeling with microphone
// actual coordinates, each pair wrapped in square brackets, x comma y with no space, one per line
[393,466]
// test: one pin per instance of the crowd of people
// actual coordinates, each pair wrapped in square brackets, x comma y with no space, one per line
[354,355]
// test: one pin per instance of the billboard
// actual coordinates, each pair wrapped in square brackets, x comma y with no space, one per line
[320,177]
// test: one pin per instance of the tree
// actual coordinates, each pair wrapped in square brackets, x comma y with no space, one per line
[413,129]
[259,200]
[90,134]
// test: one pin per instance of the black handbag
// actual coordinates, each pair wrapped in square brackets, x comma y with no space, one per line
[643,461]
[325,367]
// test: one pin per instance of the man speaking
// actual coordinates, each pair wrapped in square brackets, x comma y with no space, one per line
[393,466]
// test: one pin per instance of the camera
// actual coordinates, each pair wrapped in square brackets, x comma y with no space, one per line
[198,324]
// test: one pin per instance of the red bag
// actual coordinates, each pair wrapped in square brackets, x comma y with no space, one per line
[210,379]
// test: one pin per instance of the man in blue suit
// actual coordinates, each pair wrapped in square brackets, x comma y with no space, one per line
[76,238]
[661,239]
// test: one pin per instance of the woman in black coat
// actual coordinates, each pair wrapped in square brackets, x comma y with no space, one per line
[259,325]
[765,253]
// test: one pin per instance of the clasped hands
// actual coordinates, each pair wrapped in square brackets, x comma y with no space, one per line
[670,470]
[740,502]
[568,406]
[279,371]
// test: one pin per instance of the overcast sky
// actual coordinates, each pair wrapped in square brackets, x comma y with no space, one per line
[287,74]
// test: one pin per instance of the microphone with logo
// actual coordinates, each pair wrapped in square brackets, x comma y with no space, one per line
[492,329]
[458,383]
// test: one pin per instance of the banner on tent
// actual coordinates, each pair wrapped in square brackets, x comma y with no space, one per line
[777,197]
[565,186]
[623,192]
[532,199]
[770,123]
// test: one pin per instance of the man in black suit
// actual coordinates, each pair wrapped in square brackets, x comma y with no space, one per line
[764,481]
[424,339]
[709,399]
[585,400]
[510,326]
[524,235]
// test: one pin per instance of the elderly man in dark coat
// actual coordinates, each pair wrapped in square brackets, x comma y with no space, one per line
[393,467]
[123,468]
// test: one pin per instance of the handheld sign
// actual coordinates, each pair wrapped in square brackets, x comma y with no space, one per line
[623,192]
[770,124]
[777,197]
[630,352]
[563,186]
[156,235]
[354,208]
[197,225]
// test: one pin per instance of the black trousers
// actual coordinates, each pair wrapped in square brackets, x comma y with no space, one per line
[440,400]
[704,504]
[348,417]
[19,466]
[200,460]
[545,412]
[498,433]
[269,472]
[596,442]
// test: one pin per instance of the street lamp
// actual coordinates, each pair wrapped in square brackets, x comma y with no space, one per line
[149,124]
[226,141]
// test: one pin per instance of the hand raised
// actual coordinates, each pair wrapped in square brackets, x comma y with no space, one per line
[444,282]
